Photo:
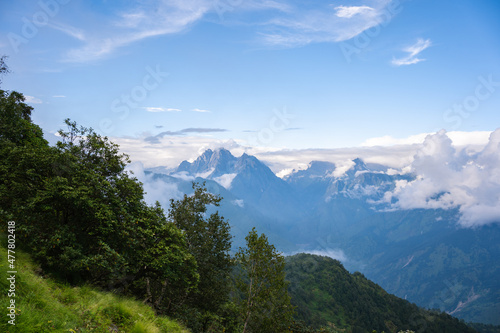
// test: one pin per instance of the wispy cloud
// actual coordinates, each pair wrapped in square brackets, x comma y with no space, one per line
[58,96]
[288,24]
[149,19]
[156,139]
[413,51]
[158,109]
[327,24]
[32,100]
[68,30]
[348,12]
[201,110]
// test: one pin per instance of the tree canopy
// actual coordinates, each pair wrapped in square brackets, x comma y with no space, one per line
[265,305]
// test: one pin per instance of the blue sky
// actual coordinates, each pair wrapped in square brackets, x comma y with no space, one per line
[261,73]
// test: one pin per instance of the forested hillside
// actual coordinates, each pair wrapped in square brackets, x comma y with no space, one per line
[327,295]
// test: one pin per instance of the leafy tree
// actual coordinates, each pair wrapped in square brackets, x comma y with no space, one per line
[81,214]
[209,241]
[4,69]
[265,306]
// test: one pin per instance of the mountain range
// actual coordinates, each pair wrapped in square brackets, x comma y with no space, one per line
[421,255]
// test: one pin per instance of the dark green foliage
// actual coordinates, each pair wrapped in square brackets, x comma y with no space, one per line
[16,127]
[209,241]
[4,69]
[265,305]
[483,328]
[82,216]
[328,295]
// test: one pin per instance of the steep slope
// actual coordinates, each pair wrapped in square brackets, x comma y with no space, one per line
[44,305]
[328,295]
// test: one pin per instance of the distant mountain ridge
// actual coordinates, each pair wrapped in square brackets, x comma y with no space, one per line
[331,208]
[246,177]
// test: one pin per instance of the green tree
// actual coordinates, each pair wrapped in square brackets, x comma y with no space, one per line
[83,217]
[265,305]
[4,69]
[209,241]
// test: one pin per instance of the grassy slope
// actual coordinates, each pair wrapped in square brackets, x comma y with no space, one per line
[43,305]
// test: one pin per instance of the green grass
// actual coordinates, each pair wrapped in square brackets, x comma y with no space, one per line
[43,305]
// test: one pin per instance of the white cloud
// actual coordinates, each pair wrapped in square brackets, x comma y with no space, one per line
[285,172]
[146,20]
[58,96]
[226,180]
[205,174]
[290,24]
[328,24]
[413,51]
[170,151]
[156,189]
[348,12]
[68,30]
[158,109]
[32,100]
[457,137]
[238,202]
[451,178]
[332,253]
[342,167]
[200,110]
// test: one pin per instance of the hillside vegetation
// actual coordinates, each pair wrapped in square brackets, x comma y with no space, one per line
[44,305]
[327,295]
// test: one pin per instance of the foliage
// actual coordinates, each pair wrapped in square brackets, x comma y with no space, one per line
[4,69]
[209,241]
[80,213]
[484,328]
[328,295]
[85,218]
[44,305]
[265,305]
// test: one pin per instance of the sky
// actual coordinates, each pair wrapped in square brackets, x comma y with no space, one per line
[412,84]
[167,79]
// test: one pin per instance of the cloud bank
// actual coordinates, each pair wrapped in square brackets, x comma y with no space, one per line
[448,178]
[450,174]
[156,189]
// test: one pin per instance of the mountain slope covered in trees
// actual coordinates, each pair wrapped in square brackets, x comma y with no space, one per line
[327,295]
